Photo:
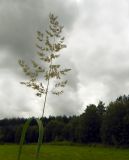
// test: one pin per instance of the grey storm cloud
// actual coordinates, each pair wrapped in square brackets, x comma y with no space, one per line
[19,22]
[103,43]
[97,36]
[21,19]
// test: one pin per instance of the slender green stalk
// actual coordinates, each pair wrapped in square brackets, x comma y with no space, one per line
[25,127]
[40,138]
[45,98]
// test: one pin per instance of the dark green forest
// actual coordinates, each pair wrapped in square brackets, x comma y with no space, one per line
[98,124]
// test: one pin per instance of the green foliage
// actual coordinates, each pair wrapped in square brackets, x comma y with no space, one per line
[72,129]
[115,128]
[90,121]
[54,131]
[101,108]
[99,124]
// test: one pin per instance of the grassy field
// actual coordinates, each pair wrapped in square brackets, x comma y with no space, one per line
[56,152]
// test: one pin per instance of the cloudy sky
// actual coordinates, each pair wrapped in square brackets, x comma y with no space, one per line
[97,38]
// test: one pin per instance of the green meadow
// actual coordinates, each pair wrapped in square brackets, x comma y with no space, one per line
[65,152]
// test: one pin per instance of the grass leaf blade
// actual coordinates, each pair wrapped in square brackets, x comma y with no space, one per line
[25,127]
[40,138]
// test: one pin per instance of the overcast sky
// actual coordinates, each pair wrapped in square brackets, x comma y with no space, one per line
[97,38]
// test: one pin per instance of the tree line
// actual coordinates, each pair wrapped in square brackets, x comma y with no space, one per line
[97,124]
